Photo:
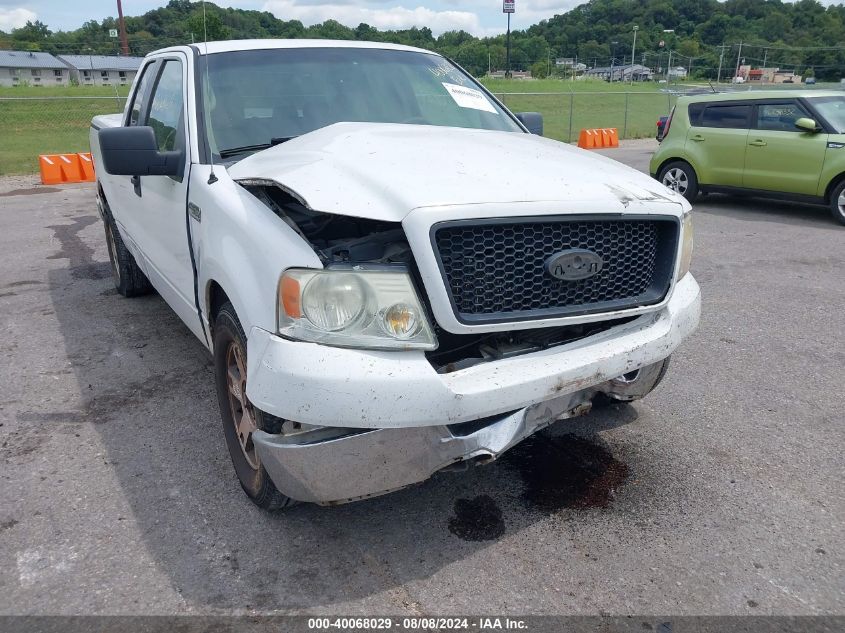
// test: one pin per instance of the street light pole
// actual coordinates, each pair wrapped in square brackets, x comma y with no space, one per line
[633,52]
[508,63]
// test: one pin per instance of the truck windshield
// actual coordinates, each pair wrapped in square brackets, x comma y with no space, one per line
[255,99]
[832,109]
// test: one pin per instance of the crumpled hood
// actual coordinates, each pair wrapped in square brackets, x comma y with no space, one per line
[382,171]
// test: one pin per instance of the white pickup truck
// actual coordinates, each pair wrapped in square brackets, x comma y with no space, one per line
[393,273]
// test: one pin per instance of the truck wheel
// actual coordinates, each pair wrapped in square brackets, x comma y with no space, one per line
[837,202]
[240,418]
[680,176]
[129,279]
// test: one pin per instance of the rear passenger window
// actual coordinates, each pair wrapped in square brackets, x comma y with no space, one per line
[779,116]
[695,110]
[726,116]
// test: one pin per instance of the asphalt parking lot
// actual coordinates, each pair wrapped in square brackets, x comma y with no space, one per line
[721,493]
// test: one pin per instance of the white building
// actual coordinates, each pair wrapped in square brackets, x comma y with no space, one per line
[30,68]
[102,70]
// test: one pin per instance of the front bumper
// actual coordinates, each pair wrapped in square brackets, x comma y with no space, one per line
[329,386]
[394,421]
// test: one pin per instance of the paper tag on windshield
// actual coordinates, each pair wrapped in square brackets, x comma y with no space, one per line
[469,97]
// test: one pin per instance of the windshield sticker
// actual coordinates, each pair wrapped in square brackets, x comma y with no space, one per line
[469,97]
[445,70]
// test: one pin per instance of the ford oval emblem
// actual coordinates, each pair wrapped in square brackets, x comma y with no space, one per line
[573,264]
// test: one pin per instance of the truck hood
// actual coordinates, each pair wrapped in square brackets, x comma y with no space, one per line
[382,171]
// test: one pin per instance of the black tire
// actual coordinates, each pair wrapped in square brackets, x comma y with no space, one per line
[129,279]
[680,176]
[229,341]
[837,202]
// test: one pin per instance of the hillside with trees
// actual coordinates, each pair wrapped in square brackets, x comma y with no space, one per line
[804,36]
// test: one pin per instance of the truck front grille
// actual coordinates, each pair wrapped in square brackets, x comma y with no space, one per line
[494,269]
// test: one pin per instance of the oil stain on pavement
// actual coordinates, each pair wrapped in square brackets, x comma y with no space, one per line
[566,472]
[557,473]
[478,519]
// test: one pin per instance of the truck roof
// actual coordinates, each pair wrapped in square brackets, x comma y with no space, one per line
[226,46]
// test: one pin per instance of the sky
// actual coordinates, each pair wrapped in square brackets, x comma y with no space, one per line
[479,17]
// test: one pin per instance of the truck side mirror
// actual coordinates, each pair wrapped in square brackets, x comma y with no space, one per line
[132,151]
[806,124]
[533,121]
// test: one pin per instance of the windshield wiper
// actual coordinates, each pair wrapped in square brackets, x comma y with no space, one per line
[234,151]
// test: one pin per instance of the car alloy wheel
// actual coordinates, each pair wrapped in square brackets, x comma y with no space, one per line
[676,179]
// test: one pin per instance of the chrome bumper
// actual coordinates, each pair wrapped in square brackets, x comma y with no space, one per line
[370,462]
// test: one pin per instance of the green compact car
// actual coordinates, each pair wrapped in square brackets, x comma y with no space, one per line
[775,143]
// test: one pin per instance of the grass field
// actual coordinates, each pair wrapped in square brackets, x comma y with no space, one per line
[36,121]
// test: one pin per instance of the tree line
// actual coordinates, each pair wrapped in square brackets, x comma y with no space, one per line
[804,36]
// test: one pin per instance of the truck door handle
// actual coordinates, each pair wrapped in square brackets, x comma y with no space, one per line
[698,138]
[758,143]
[136,184]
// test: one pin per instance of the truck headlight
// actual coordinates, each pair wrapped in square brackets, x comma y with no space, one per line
[353,307]
[686,246]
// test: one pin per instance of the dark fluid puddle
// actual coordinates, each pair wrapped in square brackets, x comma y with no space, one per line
[566,472]
[478,519]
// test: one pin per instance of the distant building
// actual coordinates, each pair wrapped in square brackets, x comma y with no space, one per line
[678,72]
[785,76]
[30,68]
[515,74]
[102,70]
[766,75]
[623,72]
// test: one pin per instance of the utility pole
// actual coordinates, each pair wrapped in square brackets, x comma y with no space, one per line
[633,52]
[669,68]
[124,43]
[738,56]
[721,55]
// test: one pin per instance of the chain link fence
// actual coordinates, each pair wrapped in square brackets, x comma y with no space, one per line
[634,114]
[30,126]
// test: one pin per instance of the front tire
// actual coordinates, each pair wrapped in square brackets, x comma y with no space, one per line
[129,279]
[240,418]
[837,202]
[681,177]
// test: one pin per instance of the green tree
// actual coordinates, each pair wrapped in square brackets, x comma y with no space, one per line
[540,70]
[211,28]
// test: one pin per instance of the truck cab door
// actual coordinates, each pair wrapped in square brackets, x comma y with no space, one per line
[156,215]
[779,156]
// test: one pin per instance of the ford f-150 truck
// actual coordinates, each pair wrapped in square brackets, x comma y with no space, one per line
[394,274]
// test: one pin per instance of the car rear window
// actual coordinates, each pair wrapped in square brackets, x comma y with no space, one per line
[695,110]
[725,116]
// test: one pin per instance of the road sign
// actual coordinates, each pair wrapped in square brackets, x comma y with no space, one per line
[509,6]
[112,32]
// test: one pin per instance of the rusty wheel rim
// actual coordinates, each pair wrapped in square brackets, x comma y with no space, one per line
[115,270]
[243,415]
